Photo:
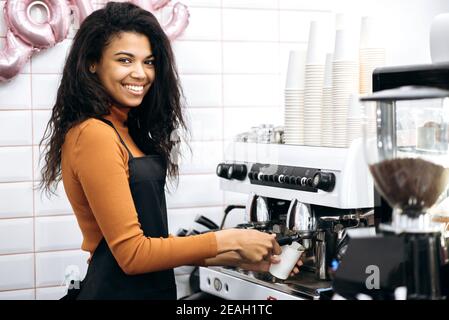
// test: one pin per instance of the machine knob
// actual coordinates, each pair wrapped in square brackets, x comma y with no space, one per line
[237,171]
[276,178]
[271,178]
[298,181]
[281,178]
[292,180]
[250,175]
[222,170]
[324,181]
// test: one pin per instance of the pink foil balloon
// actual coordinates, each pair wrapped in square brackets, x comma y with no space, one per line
[158,4]
[14,56]
[144,4]
[82,8]
[178,22]
[39,35]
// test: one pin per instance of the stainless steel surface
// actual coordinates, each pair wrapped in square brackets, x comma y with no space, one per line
[261,285]
[300,217]
[256,210]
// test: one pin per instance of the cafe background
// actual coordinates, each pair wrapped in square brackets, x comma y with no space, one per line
[232,60]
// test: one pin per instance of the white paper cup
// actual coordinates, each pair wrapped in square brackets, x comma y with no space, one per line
[289,257]
[296,70]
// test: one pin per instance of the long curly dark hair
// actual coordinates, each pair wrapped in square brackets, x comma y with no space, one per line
[81,96]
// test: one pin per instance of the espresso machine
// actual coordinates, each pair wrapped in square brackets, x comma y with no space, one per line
[317,196]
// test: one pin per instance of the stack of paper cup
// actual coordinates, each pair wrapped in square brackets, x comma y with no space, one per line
[294,98]
[313,97]
[354,119]
[345,81]
[372,53]
[327,122]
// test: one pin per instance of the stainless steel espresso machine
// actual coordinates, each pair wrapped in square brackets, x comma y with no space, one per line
[316,196]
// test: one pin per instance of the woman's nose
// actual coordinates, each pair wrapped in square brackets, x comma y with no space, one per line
[138,72]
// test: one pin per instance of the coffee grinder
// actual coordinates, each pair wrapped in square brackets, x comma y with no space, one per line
[408,157]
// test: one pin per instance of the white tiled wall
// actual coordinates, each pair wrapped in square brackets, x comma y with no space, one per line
[232,61]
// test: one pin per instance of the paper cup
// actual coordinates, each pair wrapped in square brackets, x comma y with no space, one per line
[289,257]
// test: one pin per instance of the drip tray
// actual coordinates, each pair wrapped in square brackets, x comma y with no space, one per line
[304,285]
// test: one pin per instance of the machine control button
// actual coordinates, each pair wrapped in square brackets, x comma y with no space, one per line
[298,181]
[324,181]
[222,170]
[281,178]
[217,284]
[292,180]
[303,181]
[237,171]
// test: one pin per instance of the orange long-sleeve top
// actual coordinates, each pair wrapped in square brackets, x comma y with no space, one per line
[94,165]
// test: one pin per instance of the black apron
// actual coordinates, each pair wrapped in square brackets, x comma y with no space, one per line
[105,279]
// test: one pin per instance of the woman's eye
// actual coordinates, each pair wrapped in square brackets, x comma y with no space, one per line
[149,62]
[125,60]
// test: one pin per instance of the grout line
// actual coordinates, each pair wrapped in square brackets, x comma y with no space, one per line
[39,216]
[41,251]
[33,178]
[222,94]
[196,207]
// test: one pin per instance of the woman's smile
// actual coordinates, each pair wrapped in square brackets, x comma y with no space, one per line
[134,89]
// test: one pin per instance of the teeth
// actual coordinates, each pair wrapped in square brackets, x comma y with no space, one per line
[137,89]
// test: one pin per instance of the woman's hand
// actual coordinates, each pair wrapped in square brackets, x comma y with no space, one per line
[264,266]
[252,245]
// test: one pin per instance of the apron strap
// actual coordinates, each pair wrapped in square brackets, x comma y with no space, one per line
[121,140]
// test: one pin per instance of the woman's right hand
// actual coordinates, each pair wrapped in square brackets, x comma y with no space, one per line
[252,245]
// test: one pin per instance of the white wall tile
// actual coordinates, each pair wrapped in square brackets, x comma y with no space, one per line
[204,24]
[202,3]
[202,90]
[198,57]
[195,191]
[16,93]
[51,266]
[40,120]
[51,60]
[251,90]
[185,218]
[252,57]
[251,25]
[307,4]
[16,164]
[203,157]
[57,233]
[15,128]
[16,236]
[45,87]
[238,120]
[37,163]
[295,25]
[17,295]
[51,293]
[261,4]
[205,124]
[20,200]
[57,204]
[16,271]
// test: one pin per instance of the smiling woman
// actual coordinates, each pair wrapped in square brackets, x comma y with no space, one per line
[109,140]
[126,68]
